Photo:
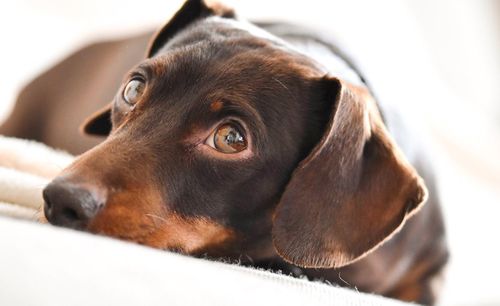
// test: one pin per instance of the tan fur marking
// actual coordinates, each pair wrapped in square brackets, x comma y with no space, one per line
[189,235]
[145,220]
[216,106]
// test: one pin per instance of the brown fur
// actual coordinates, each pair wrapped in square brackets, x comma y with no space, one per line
[322,190]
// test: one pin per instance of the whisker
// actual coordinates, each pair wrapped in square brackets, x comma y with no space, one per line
[156,217]
[282,84]
[347,283]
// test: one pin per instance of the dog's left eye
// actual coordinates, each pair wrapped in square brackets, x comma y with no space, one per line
[227,138]
[133,91]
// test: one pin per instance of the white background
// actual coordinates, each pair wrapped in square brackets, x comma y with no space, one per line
[438,58]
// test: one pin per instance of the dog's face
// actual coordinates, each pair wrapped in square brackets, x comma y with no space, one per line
[206,139]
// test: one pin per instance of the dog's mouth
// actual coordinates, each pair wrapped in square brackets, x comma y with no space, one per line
[195,236]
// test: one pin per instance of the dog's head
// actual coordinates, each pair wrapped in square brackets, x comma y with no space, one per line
[224,141]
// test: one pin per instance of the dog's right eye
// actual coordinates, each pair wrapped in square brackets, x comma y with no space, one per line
[228,139]
[133,91]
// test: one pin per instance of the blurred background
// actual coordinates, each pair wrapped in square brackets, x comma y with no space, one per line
[440,60]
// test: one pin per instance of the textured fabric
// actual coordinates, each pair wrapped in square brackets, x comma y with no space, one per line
[25,168]
[45,265]
[32,157]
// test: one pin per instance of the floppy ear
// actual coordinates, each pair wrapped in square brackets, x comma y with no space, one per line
[353,191]
[99,123]
[192,10]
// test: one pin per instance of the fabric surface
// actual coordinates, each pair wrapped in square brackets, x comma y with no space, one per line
[44,265]
[25,168]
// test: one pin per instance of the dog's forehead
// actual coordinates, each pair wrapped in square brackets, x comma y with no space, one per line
[219,59]
[220,53]
[215,39]
[222,30]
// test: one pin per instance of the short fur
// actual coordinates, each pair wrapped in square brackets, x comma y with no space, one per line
[322,191]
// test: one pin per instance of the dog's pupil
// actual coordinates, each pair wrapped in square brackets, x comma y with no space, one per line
[233,137]
[229,140]
[235,140]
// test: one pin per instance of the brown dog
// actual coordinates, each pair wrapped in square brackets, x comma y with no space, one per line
[229,141]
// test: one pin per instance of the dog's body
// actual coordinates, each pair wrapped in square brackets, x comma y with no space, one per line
[407,266]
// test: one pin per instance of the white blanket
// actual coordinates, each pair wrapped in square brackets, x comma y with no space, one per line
[45,265]
[25,168]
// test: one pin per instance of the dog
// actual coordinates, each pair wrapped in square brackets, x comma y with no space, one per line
[257,143]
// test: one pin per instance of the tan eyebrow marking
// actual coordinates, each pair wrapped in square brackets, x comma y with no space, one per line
[216,106]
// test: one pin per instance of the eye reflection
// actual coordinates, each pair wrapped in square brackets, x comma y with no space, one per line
[133,91]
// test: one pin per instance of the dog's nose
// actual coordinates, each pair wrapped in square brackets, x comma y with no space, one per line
[70,205]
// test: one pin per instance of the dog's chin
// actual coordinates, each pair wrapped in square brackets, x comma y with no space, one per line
[204,240]
[197,237]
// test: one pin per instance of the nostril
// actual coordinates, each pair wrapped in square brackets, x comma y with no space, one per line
[46,199]
[70,214]
[47,209]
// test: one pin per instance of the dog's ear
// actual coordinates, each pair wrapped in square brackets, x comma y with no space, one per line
[192,10]
[99,123]
[353,191]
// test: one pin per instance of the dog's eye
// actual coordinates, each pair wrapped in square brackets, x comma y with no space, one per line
[133,91]
[227,138]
